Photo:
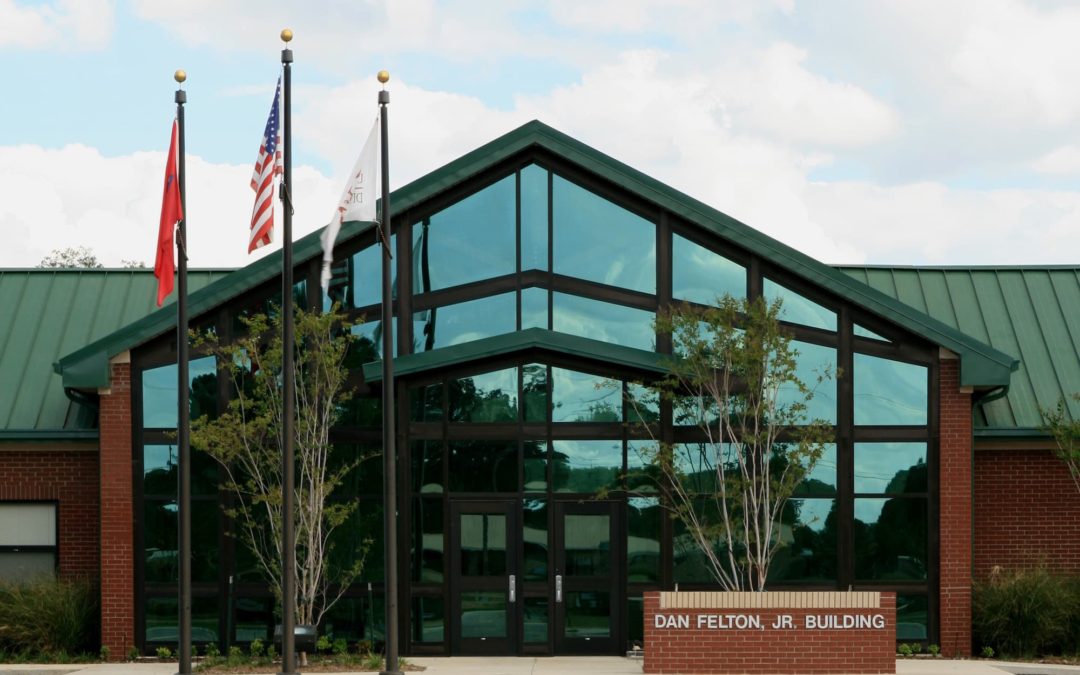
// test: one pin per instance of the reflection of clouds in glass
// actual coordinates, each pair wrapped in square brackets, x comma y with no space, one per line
[868,511]
[499,382]
[699,275]
[534,308]
[159,387]
[824,470]
[813,362]
[603,321]
[889,392]
[472,320]
[159,458]
[876,464]
[812,513]
[798,309]
[589,454]
[578,395]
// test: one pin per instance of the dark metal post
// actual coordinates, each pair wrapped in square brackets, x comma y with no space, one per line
[288,390]
[389,453]
[183,422]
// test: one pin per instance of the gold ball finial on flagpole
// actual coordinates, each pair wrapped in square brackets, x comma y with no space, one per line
[286,35]
[180,76]
[384,76]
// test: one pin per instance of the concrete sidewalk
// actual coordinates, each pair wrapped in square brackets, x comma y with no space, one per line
[557,665]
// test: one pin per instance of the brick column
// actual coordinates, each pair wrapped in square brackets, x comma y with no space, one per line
[117,515]
[955,491]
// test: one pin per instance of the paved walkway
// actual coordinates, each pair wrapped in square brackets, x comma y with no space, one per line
[558,665]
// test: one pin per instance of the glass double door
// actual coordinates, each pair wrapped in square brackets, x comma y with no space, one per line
[529,582]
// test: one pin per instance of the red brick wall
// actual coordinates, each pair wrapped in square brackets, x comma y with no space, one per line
[117,516]
[955,489]
[799,650]
[68,477]
[1027,512]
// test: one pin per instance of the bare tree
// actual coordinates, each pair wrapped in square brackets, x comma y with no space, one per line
[734,377]
[246,441]
[1066,432]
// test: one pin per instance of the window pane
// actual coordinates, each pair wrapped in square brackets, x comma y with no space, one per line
[427,466]
[808,532]
[425,403]
[364,527]
[483,614]
[483,545]
[798,309]
[27,524]
[365,479]
[536,619]
[587,614]
[26,566]
[890,467]
[587,545]
[690,564]
[483,466]
[534,392]
[642,404]
[644,516]
[586,466]
[867,333]
[160,540]
[911,617]
[581,397]
[604,321]
[534,218]
[535,535]
[369,341]
[821,480]
[254,619]
[635,620]
[355,619]
[535,453]
[428,619]
[161,467]
[641,475]
[890,538]
[356,281]
[813,362]
[465,322]
[596,240]
[889,392]
[534,308]
[471,240]
[159,392]
[486,397]
[161,620]
[428,541]
[700,275]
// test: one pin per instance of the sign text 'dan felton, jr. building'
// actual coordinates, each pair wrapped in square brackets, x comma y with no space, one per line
[779,632]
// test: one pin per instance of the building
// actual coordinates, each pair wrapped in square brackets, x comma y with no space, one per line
[530,270]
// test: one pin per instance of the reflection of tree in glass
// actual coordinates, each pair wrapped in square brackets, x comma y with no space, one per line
[470,403]
[894,545]
[911,479]
[810,552]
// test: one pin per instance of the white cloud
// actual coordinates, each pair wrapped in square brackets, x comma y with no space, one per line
[64,24]
[114,206]
[1061,160]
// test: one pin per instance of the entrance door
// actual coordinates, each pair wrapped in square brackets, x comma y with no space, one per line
[588,567]
[484,577]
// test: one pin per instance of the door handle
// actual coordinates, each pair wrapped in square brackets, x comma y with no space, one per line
[558,588]
[513,588]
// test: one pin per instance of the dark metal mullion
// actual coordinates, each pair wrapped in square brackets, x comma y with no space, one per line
[845,452]
[517,248]
[598,291]
[664,282]
[933,486]
[470,291]
[550,258]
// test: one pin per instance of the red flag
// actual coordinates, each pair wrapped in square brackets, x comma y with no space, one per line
[171,213]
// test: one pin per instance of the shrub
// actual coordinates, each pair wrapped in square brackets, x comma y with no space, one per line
[934,650]
[256,648]
[49,616]
[1023,612]
[373,661]
[164,653]
[988,652]
[339,647]
[236,656]
[904,649]
[212,651]
[133,653]
[322,644]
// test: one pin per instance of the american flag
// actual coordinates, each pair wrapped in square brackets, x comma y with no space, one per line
[267,166]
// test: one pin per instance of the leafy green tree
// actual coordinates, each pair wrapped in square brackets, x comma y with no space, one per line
[734,376]
[1066,432]
[246,440]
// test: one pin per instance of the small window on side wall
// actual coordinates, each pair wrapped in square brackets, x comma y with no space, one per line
[27,540]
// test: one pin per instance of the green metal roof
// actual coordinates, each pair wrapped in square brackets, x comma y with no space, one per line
[1033,312]
[981,365]
[537,339]
[45,313]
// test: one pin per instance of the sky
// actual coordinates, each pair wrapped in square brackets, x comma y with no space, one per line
[908,132]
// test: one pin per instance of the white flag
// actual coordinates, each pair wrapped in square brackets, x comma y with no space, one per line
[357,200]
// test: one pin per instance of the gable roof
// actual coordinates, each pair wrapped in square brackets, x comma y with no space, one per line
[44,314]
[980,364]
[1029,311]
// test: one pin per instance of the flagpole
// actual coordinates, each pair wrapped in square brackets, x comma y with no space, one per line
[183,402]
[288,339]
[389,452]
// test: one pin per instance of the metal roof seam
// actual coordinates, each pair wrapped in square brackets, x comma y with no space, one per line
[1042,331]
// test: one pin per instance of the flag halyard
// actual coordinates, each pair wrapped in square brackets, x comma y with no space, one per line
[267,167]
[171,213]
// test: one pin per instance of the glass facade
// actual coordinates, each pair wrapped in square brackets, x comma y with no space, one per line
[536,464]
